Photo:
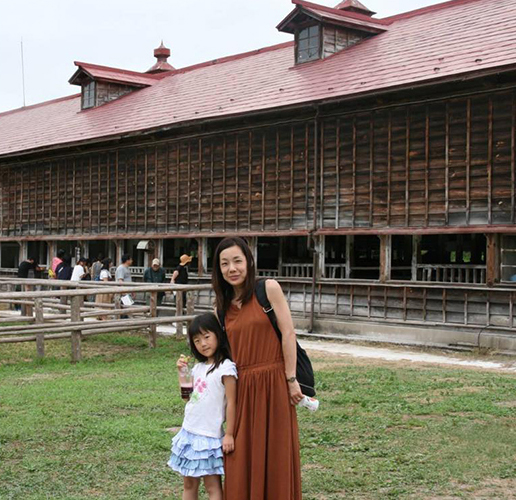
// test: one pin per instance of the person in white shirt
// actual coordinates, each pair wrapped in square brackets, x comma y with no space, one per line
[198,448]
[79,271]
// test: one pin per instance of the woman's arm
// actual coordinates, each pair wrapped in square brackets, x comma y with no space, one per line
[228,443]
[288,335]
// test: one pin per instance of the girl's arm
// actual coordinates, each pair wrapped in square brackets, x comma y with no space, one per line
[228,443]
[288,336]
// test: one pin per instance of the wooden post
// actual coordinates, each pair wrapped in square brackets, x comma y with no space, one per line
[416,255]
[179,312]
[75,310]
[190,305]
[280,255]
[349,255]
[38,318]
[118,303]
[202,256]
[493,259]
[153,314]
[321,249]
[252,241]
[26,310]
[385,257]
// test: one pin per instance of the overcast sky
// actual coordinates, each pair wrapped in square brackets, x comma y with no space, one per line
[124,33]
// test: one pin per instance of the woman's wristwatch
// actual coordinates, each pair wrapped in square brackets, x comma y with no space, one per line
[291,380]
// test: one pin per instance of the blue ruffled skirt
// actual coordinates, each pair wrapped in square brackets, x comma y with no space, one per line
[195,456]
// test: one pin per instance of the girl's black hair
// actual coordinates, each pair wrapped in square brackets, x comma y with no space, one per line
[204,323]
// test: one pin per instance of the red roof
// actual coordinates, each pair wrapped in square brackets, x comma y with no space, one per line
[333,16]
[115,75]
[451,40]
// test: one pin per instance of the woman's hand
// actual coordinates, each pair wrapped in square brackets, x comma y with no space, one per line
[228,443]
[295,392]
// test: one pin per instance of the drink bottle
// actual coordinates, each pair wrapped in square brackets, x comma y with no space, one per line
[311,404]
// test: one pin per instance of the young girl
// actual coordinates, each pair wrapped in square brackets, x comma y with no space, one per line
[197,449]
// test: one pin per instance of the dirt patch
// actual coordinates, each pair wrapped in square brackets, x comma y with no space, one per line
[326,355]
[493,488]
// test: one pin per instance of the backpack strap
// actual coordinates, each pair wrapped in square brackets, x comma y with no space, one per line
[261,295]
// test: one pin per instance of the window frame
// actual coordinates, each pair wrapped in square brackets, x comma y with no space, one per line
[89,93]
[299,31]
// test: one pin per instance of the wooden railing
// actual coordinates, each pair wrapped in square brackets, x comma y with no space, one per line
[451,273]
[450,305]
[296,270]
[61,307]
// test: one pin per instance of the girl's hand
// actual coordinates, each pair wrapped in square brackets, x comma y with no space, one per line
[228,443]
[182,361]
[295,392]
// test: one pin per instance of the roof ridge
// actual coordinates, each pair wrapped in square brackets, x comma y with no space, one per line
[234,57]
[428,8]
[344,14]
[118,70]
[39,104]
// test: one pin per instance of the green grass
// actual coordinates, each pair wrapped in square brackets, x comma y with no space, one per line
[98,429]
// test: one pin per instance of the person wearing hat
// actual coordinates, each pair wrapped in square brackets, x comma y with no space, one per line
[180,275]
[155,274]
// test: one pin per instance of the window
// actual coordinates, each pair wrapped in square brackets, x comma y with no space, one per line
[308,44]
[88,95]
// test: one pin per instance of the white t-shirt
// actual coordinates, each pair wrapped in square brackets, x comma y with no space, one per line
[206,411]
[78,272]
[104,273]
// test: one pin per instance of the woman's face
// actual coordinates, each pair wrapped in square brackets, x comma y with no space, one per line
[233,266]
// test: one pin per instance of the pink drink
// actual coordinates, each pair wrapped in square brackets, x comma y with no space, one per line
[186,382]
[186,391]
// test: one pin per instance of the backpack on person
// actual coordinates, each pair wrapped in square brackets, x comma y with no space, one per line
[304,370]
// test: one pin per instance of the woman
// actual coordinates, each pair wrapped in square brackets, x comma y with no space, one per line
[265,463]
[105,275]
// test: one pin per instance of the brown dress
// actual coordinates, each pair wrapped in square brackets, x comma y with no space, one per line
[265,464]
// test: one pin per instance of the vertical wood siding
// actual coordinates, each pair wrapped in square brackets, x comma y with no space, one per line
[449,163]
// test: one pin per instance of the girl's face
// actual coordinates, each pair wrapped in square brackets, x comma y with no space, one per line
[233,266]
[206,343]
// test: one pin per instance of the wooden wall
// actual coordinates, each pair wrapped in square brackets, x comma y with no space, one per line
[445,163]
[448,163]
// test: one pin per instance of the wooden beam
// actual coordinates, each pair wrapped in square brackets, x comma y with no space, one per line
[76,303]
[492,259]
[385,258]
[39,319]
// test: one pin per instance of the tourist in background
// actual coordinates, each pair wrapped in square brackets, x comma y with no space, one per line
[155,274]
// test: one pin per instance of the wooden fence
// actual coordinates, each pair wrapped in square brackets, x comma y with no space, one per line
[55,309]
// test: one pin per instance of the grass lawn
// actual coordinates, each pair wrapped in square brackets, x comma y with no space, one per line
[101,429]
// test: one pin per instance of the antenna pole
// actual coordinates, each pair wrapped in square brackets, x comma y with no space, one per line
[23,72]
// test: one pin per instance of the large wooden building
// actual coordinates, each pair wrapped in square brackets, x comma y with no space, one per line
[371,163]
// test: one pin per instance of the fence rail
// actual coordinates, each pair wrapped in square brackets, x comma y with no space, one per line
[54,309]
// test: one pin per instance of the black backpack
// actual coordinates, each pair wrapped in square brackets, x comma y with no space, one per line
[304,370]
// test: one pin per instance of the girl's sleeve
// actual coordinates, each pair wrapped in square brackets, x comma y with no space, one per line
[228,369]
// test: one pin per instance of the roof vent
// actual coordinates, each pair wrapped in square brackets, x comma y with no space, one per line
[355,6]
[161,54]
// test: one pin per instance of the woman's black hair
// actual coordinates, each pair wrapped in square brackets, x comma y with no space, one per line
[208,322]
[106,263]
[224,291]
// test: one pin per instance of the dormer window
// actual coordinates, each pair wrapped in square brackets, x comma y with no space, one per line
[88,95]
[309,44]
[323,31]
